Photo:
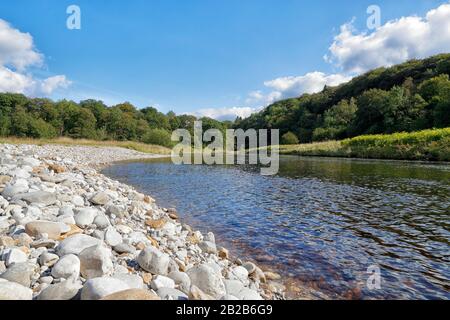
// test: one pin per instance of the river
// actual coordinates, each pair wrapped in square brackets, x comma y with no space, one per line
[320,221]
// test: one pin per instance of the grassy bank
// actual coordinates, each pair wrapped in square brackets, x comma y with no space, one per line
[141,147]
[422,145]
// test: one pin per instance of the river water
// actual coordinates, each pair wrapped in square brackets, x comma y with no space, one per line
[320,221]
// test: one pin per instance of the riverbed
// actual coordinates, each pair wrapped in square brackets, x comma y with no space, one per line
[320,221]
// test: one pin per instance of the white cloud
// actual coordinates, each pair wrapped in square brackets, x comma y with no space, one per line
[17,53]
[395,42]
[226,113]
[309,83]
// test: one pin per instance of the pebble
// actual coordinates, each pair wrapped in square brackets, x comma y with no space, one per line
[75,244]
[65,290]
[171,294]
[100,198]
[37,228]
[132,294]
[98,288]
[159,282]
[20,273]
[15,256]
[85,217]
[67,266]
[152,260]
[207,280]
[96,262]
[48,259]
[14,291]
[112,237]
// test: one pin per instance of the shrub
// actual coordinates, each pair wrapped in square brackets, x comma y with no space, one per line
[289,138]
[159,137]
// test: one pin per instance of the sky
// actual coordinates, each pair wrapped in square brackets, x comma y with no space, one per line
[217,58]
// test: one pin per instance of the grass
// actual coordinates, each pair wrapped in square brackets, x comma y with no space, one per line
[137,146]
[433,145]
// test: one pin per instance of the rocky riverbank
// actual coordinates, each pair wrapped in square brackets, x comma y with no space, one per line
[68,232]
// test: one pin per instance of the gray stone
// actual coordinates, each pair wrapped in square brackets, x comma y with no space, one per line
[15,256]
[14,291]
[208,247]
[75,244]
[112,237]
[100,198]
[96,262]
[125,248]
[173,294]
[67,266]
[249,294]
[85,217]
[132,280]
[98,288]
[39,197]
[101,221]
[48,259]
[78,201]
[65,290]
[251,267]
[152,260]
[233,287]
[20,186]
[38,228]
[207,280]
[181,279]
[159,282]
[20,273]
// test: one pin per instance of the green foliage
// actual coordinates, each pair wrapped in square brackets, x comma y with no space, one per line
[91,119]
[289,138]
[159,137]
[421,145]
[411,96]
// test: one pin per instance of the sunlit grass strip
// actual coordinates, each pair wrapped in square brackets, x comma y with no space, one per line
[137,146]
[422,145]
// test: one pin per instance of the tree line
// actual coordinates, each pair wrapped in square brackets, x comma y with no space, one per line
[91,119]
[408,97]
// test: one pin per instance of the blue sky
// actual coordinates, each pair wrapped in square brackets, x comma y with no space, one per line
[191,55]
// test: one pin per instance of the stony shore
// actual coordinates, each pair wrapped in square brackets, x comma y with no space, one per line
[68,232]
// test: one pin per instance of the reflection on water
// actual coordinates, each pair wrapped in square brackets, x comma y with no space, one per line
[321,221]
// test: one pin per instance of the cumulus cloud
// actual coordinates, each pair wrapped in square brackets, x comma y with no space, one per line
[395,42]
[17,54]
[226,113]
[309,83]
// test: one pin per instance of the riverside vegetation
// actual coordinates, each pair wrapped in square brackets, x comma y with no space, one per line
[408,97]
[68,232]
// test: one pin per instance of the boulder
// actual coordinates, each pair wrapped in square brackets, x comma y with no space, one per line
[207,280]
[65,290]
[99,288]
[75,244]
[96,262]
[37,228]
[14,291]
[66,267]
[152,260]
[132,294]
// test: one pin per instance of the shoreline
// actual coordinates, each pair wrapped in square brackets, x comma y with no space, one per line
[140,247]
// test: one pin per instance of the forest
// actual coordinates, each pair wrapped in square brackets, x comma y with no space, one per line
[408,97]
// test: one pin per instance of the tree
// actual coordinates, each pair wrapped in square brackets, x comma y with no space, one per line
[159,137]
[369,116]
[289,138]
[336,121]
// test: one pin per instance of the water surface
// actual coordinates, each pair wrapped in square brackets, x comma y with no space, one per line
[321,221]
